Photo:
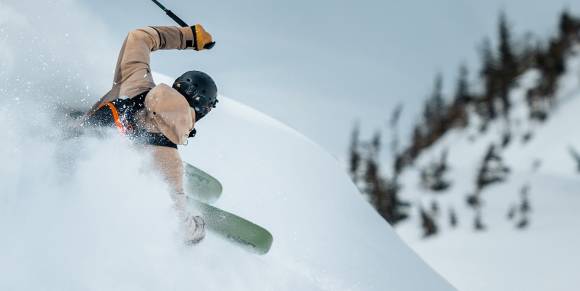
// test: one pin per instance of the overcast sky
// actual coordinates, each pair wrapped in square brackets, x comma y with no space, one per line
[320,65]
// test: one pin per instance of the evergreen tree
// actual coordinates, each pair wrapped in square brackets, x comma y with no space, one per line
[462,94]
[492,169]
[435,105]
[437,95]
[438,106]
[428,224]
[433,175]
[478,222]
[568,27]
[489,76]
[393,122]
[525,203]
[452,218]
[524,207]
[508,64]
[458,112]
[434,208]
[354,154]
[417,143]
[575,156]
[372,177]
[511,212]
[382,192]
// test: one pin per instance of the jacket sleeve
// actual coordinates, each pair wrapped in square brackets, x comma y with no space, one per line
[133,71]
[169,164]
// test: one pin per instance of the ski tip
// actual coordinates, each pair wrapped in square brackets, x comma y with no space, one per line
[234,228]
[261,248]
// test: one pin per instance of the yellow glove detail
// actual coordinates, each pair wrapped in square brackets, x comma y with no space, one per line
[202,39]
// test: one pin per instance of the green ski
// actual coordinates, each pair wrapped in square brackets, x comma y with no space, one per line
[201,185]
[234,228]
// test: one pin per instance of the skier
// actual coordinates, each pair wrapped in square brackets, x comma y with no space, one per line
[159,117]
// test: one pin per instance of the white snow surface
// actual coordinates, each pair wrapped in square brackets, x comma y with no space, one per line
[91,214]
[545,255]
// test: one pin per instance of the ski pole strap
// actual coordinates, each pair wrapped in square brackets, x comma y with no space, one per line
[171,14]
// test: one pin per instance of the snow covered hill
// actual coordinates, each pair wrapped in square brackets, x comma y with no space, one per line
[543,255]
[323,229]
[90,213]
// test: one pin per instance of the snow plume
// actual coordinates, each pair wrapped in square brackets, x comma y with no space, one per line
[86,213]
[62,203]
[75,213]
[89,214]
[53,50]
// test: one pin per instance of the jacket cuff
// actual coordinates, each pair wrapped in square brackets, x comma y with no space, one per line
[188,37]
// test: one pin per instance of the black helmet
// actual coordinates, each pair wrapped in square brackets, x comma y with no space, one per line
[200,91]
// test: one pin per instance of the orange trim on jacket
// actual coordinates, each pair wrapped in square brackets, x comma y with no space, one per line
[116,118]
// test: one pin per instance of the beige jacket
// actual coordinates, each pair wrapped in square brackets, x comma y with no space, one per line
[166,110]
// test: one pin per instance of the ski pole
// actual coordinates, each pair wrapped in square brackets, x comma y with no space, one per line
[171,14]
[179,21]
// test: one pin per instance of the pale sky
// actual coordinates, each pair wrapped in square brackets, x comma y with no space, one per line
[320,65]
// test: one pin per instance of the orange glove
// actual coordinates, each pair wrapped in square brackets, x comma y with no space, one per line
[201,38]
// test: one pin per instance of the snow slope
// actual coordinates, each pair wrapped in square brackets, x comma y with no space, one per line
[90,214]
[544,256]
[323,228]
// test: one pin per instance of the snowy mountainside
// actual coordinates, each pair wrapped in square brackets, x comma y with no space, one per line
[90,213]
[541,255]
[322,227]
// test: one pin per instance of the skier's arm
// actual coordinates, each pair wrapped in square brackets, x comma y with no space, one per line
[133,71]
[168,162]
